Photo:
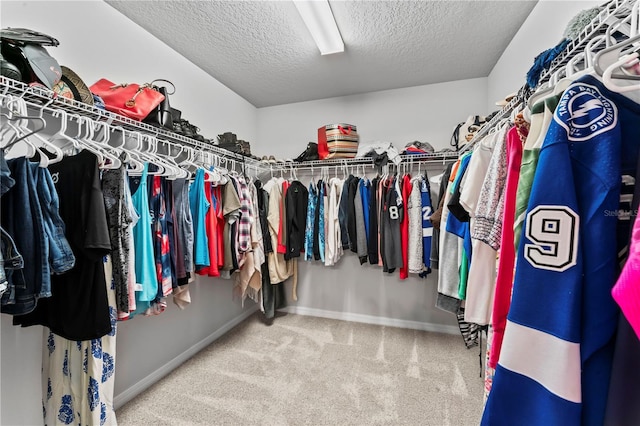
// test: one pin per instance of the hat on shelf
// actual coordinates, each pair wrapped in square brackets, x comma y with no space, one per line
[71,86]
[417,147]
[506,100]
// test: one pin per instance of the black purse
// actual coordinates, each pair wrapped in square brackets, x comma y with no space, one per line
[309,154]
[162,115]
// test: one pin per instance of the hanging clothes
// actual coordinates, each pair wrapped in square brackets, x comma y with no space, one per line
[297,200]
[450,257]
[159,224]
[146,278]
[582,160]
[282,229]
[506,263]
[436,217]
[279,268]
[361,230]
[131,250]
[351,213]
[343,213]
[482,270]
[309,235]
[414,218]
[184,242]
[118,218]
[199,207]
[23,221]
[231,211]
[404,226]
[78,377]
[373,235]
[210,227]
[245,221]
[249,279]
[427,227]
[393,213]
[459,226]
[334,236]
[78,312]
[273,296]
[321,219]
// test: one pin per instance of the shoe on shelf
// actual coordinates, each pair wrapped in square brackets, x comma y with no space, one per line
[177,128]
[187,128]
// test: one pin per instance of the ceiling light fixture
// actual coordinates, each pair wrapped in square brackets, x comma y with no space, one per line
[318,18]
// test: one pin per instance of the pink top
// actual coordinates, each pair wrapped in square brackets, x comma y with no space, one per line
[504,279]
[626,292]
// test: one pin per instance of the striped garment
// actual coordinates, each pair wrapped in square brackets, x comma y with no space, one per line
[555,362]
[244,224]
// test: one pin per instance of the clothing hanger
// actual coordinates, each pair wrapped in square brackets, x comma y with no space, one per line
[83,139]
[169,158]
[25,134]
[112,154]
[61,135]
[14,120]
[135,167]
[40,142]
[107,159]
[172,170]
[135,156]
[222,172]
[132,164]
[144,151]
[612,55]
[179,171]
[211,173]
[607,77]
[11,124]
[187,163]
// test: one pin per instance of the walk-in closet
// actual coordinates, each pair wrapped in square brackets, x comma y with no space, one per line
[320,212]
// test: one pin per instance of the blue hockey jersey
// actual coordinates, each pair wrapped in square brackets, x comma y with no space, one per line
[555,361]
[427,227]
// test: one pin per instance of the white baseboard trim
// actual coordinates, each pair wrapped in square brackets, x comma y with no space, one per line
[371,319]
[133,391]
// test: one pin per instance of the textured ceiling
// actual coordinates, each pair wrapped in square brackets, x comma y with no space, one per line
[263,51]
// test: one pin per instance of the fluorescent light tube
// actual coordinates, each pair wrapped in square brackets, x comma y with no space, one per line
[318,18]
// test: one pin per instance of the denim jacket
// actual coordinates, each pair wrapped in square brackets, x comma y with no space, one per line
[61,258]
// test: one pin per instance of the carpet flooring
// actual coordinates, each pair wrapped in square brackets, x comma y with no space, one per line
[314,371]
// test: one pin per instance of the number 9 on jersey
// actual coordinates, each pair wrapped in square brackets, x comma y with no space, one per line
[553,232]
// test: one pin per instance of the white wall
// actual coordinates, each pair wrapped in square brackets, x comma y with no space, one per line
[97,41]
[425,113]
[542,30]
[364,293]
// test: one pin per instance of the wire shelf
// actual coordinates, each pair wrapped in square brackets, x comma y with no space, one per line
[42,96]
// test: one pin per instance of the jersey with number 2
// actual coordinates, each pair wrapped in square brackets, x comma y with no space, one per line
[427,227]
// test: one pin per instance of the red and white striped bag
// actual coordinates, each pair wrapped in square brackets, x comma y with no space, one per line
[337,141]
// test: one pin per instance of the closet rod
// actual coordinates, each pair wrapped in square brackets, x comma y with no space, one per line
[366,161]
[41,109]
[504,112]
[611,13]
[38,95]
[363,165]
